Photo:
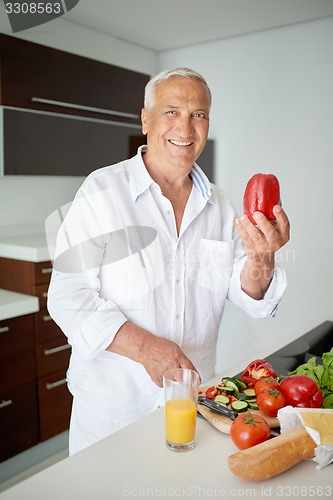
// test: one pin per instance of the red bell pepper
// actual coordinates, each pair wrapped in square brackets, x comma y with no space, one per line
[301,391]
[257,369]
[261,194]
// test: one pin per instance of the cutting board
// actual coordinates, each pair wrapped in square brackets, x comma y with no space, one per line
[223,423]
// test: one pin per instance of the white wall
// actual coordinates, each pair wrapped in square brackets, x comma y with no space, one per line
[272,112]
[25,202]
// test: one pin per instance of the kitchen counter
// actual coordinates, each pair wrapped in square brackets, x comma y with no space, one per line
[32,247]
[135,462]
[14,304]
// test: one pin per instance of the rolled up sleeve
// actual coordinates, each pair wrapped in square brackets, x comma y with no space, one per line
[257,308]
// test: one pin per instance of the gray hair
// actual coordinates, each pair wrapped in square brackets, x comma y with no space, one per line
[164,75]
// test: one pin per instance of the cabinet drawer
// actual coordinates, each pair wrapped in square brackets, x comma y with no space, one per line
[42,272]
[18,419]
[17,351]
[52,356]
[55,402]
[40,291]
[46,328]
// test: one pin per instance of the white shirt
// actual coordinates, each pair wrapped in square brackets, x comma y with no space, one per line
[119,258]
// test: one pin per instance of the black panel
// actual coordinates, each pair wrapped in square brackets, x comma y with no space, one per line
[52,144]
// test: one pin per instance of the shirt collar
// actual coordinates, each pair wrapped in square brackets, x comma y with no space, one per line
[140,179]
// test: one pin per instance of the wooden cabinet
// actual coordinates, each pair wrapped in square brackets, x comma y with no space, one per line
[30,71]
[50,350]
[18,388]
[64,114]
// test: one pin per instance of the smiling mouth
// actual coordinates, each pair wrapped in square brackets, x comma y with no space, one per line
[181,143]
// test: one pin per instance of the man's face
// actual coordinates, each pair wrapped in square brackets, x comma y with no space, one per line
[177,125]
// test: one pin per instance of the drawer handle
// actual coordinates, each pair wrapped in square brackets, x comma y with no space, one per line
[60,348]
[4,329]
[52,385]
[47,318]
[4,403]
[46,270]
[84,108]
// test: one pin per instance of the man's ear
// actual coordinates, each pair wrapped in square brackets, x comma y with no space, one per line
[144,121]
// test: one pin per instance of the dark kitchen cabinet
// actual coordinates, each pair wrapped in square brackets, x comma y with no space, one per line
[50,349]
[64,114]
[30,72]
[18,389]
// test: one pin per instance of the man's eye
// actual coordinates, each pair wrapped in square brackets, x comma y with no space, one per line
[199,115]
[171,112]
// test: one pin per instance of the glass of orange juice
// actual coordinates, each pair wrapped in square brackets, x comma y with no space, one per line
[181,395]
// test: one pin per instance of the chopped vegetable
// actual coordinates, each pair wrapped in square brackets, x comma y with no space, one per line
[257,369]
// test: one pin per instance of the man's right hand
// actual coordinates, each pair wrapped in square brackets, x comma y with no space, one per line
[156,354]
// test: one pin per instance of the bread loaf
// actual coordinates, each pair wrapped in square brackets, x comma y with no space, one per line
[272,457]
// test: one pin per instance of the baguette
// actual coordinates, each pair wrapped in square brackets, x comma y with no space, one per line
[272,457]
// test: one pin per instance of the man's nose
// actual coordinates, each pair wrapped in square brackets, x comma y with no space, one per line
[185,126]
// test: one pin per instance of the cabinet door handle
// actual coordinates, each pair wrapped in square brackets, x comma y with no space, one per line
[4,329]
[46,317]
[4,403]
[85,108]
[46,270]
[44,294]
[52,385]
[60,348]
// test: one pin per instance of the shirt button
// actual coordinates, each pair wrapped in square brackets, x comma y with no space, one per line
[178,316]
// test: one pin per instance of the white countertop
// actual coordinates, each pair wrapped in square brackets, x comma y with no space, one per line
[135,462]
[14,304]
[31,247]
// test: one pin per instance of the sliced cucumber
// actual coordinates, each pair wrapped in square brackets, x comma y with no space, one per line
[225,388]
[222,400]
[239,406]
[253,406]
[243,397]
[241,384]
[230,383]
[249,392]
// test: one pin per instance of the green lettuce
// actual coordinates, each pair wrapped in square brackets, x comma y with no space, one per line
[321,374]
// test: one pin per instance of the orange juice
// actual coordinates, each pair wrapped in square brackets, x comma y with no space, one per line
[180,420]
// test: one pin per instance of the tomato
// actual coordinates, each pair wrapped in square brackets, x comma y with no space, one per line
[211,392]
[248,430]
[269,401]
[265,383]
[301,391]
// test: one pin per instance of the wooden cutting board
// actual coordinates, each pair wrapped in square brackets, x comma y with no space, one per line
[223,423]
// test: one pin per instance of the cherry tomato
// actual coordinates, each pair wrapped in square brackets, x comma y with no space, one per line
[248,430]
[269,401]
[265,383]
[301,391]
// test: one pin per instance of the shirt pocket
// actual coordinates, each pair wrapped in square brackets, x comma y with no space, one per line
[216,263]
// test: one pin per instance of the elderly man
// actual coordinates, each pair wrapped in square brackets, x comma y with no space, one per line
[146,257]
